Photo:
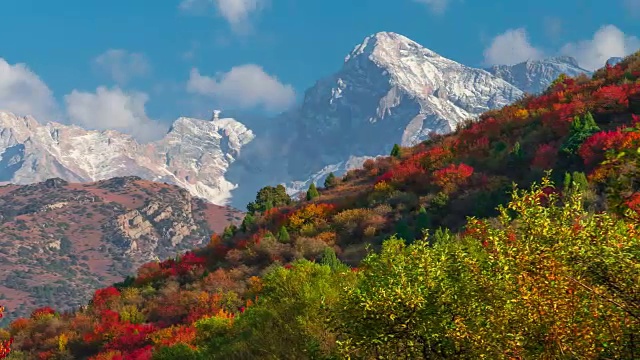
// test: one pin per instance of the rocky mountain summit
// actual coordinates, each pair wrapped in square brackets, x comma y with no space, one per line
[59,241]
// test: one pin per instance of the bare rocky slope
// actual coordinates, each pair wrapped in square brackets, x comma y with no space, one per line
[60,241]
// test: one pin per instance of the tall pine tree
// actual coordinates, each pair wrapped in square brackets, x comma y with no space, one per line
[581,129]
[395,152]
[247,222]
[283,235]
[312,193]
[330,181]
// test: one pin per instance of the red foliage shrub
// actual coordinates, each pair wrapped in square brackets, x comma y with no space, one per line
[633,202]
[104,297]
[5,345]
[612,97]
[452,176]
[19,324]
[593,149]
[406,171]
[130,336]
[107,324]
[5,348]
[42,312]
[276,217]
[174,335]
[386,177]
[190,261]
[144,353]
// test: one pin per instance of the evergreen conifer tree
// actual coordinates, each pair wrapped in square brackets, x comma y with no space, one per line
[283,235]
[330,181]
[395,152]
[312,193]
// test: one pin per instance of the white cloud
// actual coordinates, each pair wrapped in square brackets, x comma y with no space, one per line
[511,47]
[113,109]
[245,86]
[24,93]
[236,12]
[122,65]
[608,41]
[437,6]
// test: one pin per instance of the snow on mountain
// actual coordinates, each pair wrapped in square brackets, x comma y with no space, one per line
[354,162]
[534,76]
[194,154]
[389,90]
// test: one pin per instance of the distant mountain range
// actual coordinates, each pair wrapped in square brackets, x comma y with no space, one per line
[389,90]
[534,76]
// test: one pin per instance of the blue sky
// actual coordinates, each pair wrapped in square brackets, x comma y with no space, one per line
[134,64]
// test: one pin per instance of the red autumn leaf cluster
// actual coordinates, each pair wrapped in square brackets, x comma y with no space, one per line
[452,176]
[102,298]
[42,312]
[5,345]
[186,263]
[184,334]
[131,336]
[593,149]
[633,202]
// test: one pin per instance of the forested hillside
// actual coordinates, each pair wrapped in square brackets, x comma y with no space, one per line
[515,237]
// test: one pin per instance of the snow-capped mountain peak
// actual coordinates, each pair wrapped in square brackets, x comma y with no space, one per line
[384,46]
[389,90]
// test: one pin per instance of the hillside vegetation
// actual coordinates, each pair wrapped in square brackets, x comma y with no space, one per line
[61,241]
[515,237]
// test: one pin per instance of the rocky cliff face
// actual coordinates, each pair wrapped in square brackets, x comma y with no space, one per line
[59,241]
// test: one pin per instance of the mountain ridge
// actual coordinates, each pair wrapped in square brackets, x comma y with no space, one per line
[390,89]
[75,154]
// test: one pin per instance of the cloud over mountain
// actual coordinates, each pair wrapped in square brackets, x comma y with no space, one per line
[244,86]
[22,91]
[513,46]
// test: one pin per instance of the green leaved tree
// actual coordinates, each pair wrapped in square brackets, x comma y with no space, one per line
[312,193]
